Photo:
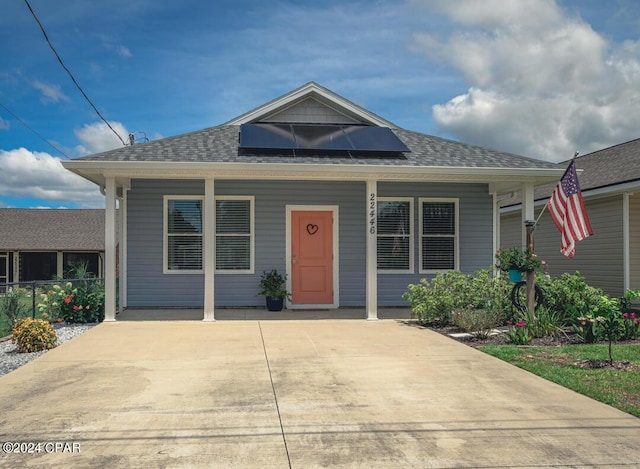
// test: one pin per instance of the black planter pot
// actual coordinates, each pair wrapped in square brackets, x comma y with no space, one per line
[274,303]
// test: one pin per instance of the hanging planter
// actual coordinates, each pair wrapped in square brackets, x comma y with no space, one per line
[515,261]
[515,275]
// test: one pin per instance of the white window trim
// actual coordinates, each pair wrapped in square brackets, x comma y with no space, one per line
[456,236]
[411,268]
[165,235]
[252,233]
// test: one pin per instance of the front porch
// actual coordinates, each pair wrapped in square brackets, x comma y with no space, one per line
[254,314]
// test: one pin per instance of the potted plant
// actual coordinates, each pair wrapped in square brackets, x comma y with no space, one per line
[273,288]
[515,261]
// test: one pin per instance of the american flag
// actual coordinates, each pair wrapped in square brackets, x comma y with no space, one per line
[568,212]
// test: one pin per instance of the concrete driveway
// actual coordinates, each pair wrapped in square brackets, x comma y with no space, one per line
[300,394]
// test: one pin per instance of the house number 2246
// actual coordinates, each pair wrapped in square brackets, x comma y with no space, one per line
[372,213]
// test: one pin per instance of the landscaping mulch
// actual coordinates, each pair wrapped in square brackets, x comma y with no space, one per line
[566,338]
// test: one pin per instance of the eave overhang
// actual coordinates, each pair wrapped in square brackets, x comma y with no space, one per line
[499,180]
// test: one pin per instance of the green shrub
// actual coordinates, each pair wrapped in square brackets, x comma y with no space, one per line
[627,300]
[485,291]
[432,301]
[478,322]
[546,322]
[518,333]
[569,293]
[586,324]
[81,304]
[630,326]
[33,335]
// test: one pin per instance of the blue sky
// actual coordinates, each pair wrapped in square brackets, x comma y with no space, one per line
[541,78]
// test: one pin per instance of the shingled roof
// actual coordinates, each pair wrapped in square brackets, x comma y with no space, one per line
[602,169]
[51,230]
[220,145]
[215,152]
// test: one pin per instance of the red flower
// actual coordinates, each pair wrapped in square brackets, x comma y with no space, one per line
[68,299]
[633,315]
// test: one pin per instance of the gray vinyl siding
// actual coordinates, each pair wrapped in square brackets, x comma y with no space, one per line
[510,230]
[146,283]
[149,286]
[634,241]
[598,258]
[476,232]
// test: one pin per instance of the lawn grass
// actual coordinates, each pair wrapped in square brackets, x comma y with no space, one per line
[618,388]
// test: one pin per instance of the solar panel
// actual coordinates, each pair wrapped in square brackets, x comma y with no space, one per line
[329,137]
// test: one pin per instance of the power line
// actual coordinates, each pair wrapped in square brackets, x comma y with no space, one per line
[34,131]
[70,74]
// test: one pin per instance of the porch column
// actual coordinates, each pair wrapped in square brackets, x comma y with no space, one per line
[209,248]
[60,264]
[110,250]
[528,212]
[626,249]
[496,227]
[122,268]
[16,266]
[372,248]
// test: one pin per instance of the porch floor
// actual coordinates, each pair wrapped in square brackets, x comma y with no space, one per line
[225,314]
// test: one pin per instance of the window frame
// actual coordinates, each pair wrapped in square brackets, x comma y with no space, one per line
[455,236]
[165,246]
[411,235]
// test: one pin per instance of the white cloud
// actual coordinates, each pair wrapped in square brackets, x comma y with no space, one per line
[40,175]
[123,51]
[50,93]
[97,137]
[541,83]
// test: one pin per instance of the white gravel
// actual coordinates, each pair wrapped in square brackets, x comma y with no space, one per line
[10,359]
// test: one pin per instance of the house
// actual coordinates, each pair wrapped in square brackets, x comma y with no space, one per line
[350,206]
[39,244]
[610,259]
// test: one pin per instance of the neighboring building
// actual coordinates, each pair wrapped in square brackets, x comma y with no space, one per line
[349,206]
[610,259]
[39,244]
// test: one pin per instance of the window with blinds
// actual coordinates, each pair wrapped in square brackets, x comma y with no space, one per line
[183,229]
[395,235]
[438,234]
[184,235]
[234,234]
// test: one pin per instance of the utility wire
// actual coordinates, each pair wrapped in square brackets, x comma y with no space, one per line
[70,74]
[34,131]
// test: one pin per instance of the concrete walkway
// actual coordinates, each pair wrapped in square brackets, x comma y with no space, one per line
[300,394]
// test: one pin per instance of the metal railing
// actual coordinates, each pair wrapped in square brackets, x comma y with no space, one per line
[27,297]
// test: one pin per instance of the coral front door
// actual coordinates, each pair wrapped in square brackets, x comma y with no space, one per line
[311,257]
